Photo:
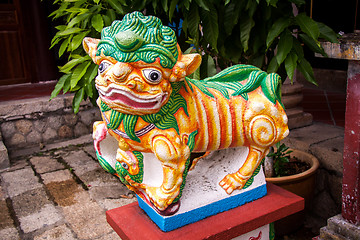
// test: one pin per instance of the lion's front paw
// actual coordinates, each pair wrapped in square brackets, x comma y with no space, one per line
[231,182]
[159,198]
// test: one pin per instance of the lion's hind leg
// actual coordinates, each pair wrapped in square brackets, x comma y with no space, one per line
[238,179]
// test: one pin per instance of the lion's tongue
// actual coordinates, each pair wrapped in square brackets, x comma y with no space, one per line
[129,102]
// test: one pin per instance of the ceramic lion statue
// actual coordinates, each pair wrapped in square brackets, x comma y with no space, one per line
[149,105]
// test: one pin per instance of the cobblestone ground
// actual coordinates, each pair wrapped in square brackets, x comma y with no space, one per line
[59,194]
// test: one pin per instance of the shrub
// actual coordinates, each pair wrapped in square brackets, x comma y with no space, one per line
[269,34]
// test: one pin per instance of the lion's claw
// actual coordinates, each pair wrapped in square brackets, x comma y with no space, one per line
[160,199]
[232,182]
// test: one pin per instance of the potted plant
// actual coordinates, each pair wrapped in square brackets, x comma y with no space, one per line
[293,170]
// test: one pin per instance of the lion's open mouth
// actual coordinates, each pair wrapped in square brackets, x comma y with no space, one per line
[122,97]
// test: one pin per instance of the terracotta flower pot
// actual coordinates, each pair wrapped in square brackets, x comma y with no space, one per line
[302,184]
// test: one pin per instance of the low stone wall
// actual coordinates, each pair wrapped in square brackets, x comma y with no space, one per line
[37,122]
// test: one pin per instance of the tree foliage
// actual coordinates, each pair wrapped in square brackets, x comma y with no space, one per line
[269,34]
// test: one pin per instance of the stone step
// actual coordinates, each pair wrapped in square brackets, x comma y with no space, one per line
[288,89]
[302,120]
[340,226]
[294,112]
[291,101]
[328,234]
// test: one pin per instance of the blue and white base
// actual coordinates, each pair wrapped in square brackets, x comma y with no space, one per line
[203,197]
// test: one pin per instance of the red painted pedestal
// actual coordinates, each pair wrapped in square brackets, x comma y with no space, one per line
[130,222]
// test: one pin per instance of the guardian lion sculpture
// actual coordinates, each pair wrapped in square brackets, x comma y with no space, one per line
[149,105]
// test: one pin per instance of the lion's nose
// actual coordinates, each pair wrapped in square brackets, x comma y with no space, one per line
[131,84]
[135,85]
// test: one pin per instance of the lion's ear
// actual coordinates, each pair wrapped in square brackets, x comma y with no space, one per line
[191,61]
[90,47]
[185,65]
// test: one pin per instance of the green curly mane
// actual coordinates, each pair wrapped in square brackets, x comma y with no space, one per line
[137,37]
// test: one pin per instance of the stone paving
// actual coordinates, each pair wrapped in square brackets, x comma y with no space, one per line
[59,194]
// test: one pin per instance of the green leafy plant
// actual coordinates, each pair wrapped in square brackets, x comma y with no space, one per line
[269,34]
[280,157]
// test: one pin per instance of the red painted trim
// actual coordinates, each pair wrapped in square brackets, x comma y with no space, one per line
[130,222]
[351,174]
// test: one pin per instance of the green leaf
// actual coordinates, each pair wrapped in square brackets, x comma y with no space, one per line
[273,65]
[211,68]
[69,65]
[77,40]
[203,4]
[79,71]
[61,27]
[63,46]
[54,41]
[79,96]
[327,33]
[229,17]
[193,24]
[172,8]
[284,46]
[111,14]
[93,73]
[69,31]
[107,21]
[276,29]
[116,6]
[89,90]
[77,19]
[186,4]
[210,26]
[66,86]
[187,51]
[245,28]
[97,22]
[251,7]
[306,69]
[164,4]
[308,25]
[290,64]
[59,85]
[314,45]
[196,74]
[298,48]
[60,11]
[272,2]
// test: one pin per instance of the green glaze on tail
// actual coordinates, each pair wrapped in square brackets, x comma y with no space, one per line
[230,78]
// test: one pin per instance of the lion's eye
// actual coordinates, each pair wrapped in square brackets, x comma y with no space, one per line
[103,66]
[124,165]
[152,75]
